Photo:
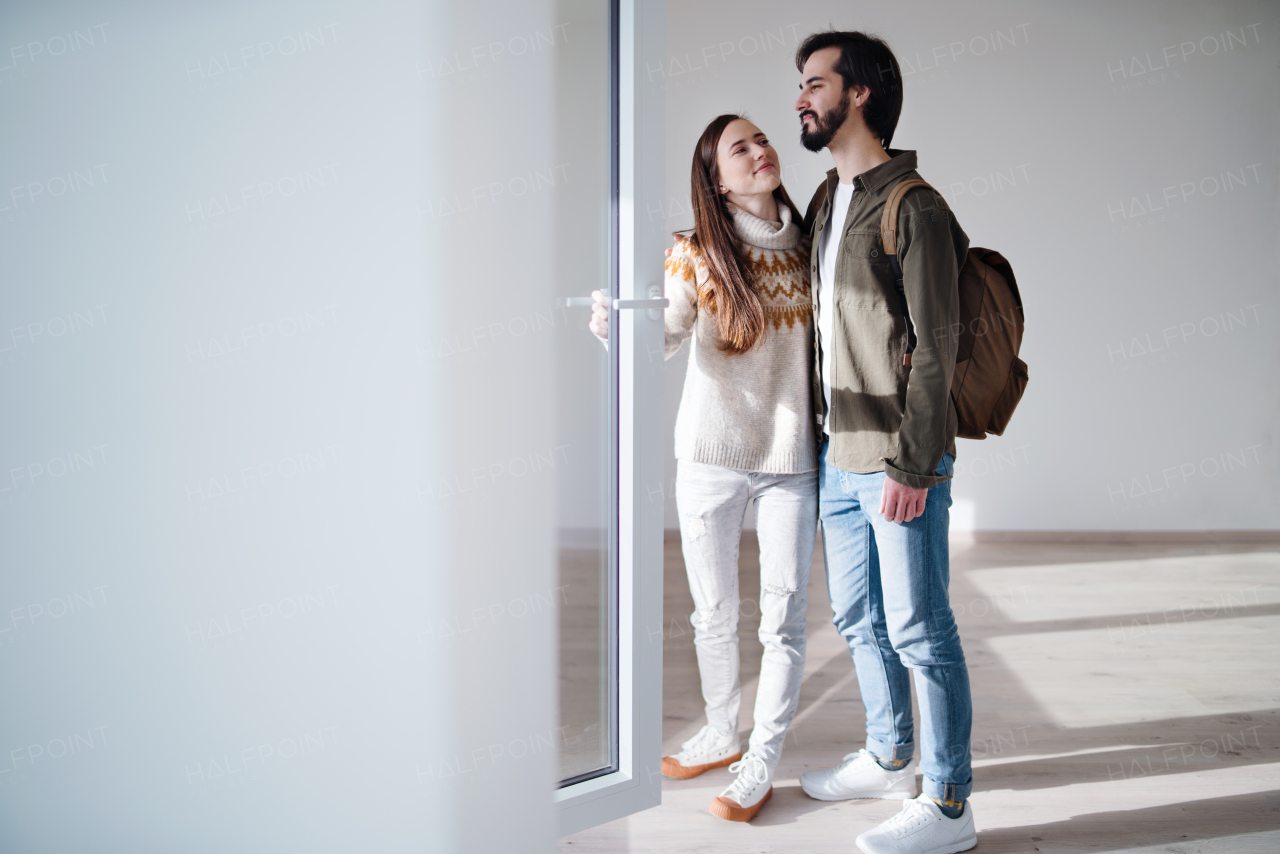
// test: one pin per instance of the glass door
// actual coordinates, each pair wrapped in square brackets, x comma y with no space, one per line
[586,374]
[609,509]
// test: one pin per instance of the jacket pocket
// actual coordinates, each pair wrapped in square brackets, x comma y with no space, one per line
[865,277]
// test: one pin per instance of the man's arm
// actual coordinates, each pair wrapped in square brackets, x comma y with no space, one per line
[931,245]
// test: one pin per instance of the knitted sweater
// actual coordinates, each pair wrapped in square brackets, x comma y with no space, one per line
[753,411]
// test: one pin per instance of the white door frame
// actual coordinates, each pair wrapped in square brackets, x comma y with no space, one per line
[637,783]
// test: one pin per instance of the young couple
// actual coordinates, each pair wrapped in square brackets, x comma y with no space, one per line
[799,398]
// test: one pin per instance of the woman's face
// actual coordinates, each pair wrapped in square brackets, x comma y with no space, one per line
[747,163]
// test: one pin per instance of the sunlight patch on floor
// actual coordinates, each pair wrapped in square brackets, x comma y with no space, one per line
[1126,674]
[1169,589]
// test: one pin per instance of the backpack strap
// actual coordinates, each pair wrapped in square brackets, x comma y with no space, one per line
[889,237]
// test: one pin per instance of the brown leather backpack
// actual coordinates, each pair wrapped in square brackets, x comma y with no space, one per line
[989,378]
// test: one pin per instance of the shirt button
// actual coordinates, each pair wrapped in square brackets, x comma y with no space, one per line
[813,269]
[819,228]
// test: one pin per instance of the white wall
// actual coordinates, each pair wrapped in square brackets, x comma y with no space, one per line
[1151,325]
[230,563]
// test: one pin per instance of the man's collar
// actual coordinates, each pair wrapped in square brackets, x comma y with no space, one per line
[899,163]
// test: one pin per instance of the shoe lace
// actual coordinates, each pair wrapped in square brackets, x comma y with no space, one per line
[699,742]
[913,816]
[853,759]
[751,772]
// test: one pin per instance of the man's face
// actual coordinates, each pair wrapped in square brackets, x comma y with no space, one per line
[824,102]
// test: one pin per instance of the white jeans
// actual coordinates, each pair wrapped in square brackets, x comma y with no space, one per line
[712,502]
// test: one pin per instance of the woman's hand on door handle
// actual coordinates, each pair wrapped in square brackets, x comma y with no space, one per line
[600,315]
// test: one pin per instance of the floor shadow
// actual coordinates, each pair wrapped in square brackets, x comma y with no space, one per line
[786,806]
[1136,625]
[1206,743]
[1178,826]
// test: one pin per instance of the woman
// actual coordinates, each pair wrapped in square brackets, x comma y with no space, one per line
[746,432]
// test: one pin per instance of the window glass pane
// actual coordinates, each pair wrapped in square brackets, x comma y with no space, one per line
[585,254]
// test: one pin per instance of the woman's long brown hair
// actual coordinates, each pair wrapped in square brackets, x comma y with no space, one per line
[730,292]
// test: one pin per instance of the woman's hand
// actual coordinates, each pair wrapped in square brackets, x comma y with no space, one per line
[600,311]
[600,315]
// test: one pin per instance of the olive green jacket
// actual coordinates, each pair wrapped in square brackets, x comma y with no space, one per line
[887,416]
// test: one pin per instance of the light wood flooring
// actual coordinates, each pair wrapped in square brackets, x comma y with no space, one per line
[1126,698]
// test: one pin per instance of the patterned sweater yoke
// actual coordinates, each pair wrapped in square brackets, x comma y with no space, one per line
[752,411]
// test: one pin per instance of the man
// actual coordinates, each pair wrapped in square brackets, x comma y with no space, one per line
[889,443]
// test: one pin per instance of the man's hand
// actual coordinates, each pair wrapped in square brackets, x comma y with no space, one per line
[901,503]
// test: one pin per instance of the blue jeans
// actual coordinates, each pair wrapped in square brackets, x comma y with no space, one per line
[888,587]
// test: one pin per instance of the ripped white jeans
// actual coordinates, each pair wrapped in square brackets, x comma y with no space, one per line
[712,502]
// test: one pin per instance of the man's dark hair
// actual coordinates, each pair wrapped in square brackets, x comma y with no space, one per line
[864,61]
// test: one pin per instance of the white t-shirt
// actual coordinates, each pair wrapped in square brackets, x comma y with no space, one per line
[824,308]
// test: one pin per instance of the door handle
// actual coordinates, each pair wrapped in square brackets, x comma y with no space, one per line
[655,303]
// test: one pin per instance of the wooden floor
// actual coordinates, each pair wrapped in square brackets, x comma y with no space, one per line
[1126,698]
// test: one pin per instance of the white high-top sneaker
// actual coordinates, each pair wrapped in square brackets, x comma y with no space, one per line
[706,750]
[921,828]
[745,795]
[860,776]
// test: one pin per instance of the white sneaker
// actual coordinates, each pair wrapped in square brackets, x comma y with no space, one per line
[860,776]
[745,795]
[706,750]
[921,828]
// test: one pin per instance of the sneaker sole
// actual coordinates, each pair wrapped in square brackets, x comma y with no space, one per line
[953,848]
[673,769]
[729,811]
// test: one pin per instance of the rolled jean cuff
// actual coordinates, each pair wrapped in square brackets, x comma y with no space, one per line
[912,479]
[886,752]
[948,791]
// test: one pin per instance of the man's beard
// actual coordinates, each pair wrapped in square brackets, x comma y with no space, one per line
[824,127]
